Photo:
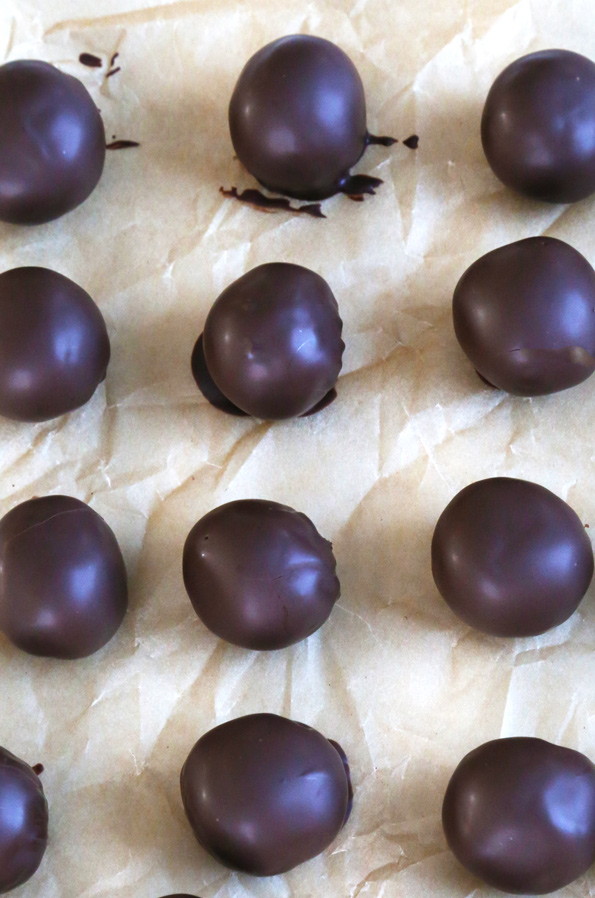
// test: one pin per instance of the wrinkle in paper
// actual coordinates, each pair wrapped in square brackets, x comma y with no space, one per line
[393,676]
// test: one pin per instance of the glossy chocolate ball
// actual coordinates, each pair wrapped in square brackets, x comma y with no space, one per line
[54,346]
[52,142]
[511,558]
[264,794]
[259,574]
[538,126]
[298,119]
[520,814]
[524,314]
[23,822]
[63,591]
[272,341]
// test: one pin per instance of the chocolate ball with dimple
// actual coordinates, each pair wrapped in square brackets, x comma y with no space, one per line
[54,345]
[524,314]
[511,558]
[538,126]
[259,574]
[23,821]
[520,814]
[63,588]
[272,342]
[264,793]
[298,119]
[52,142]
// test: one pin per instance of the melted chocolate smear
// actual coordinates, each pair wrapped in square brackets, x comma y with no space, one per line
[94,62]
[114,71]
[213,394]
[343,757]
[375,140]
[272,204]
[38,769]
[122,145]
[412,142]
[113,59]
[207,385]
[358,185]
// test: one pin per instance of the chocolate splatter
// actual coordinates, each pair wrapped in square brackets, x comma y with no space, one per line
[38,769]
[113,59]
[88,59]
[412,142]
[272,204]
[122,144]
[358,185]
[374,140]
[114,71]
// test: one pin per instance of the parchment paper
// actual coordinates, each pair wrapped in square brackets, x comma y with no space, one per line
[393,676]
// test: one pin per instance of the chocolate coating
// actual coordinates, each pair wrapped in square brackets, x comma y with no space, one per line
[520,814]
[63,591]
[297,119]
[52,142]
[259,574]
[264,793]
[524,314]
[272,341]
[511,558]
[538,126]
[23,822]
[54,346]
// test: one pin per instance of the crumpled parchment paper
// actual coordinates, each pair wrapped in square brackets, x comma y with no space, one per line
[393,676]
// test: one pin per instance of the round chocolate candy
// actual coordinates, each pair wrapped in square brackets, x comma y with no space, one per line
[538,126]
[54,346]
[264,793]
[298,119]
[511,558]
[52,142]
[23,821]
[524,314]
[63,591]
[272,342]
[259,574]
[520,815]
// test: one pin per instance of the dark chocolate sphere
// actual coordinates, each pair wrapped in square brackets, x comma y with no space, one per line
[23,822]
[259,574]
[54,346]
[63,591]
[52,142]
[524,314]
[264,794]
[538,126]
[272,341]
[511,558]
[298,118]
[520,814]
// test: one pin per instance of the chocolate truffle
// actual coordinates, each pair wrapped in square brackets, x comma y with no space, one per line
[259,574]
[63,591]
[23,822]
[538,126]
[264,794]
[520,815]
[54,346]
[298,119]
[272,342]
[52,142]
[524,314]
[511,558]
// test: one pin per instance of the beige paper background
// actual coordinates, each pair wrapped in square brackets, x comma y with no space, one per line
[393,676]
